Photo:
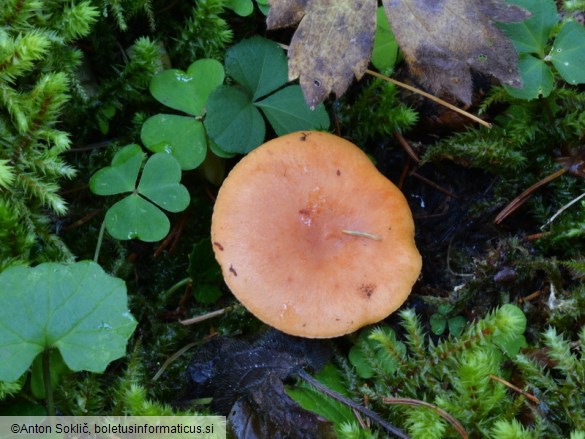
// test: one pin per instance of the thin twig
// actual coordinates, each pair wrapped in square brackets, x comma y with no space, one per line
[435,185]
[531,397]
[179,353]
[352,404]
[562,209]
[521,199]
[442,413]
[406,146]
[203,317]
[430,96]
[530,297]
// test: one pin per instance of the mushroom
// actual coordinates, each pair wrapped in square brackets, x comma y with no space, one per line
[312,238]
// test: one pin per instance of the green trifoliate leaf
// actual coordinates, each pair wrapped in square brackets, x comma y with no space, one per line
[182,136]
[121,176]
[188,91]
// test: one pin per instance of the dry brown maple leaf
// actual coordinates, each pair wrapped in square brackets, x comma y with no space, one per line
[331,45]
[441,41]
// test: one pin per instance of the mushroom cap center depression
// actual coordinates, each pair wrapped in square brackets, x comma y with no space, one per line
[280,233]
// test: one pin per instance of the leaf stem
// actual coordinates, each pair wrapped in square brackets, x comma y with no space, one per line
[430,96]
[99,241]
[175,287]
[47,382]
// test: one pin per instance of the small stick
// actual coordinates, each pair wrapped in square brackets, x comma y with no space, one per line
[431,97]
[179,353]
[562,209]
[521,199]
[442,413]
[536,236]
[403,175]
[435,185]
[406,146]
[362,234]
[354,405]
[529,297]
[516,389]
[203,317]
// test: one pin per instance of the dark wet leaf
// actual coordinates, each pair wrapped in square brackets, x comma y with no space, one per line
[442,40]
[246,383]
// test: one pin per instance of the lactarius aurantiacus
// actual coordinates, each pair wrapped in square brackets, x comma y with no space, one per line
[312,239]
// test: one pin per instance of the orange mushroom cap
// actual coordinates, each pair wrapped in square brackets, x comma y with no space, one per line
[312,239]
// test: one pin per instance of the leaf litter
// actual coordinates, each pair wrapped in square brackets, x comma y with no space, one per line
[442,40]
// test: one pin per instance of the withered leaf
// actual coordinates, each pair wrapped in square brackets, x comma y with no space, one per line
[443,39]
[246,382]
[331,45]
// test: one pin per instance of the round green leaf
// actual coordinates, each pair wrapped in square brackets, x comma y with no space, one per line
[160,183]
[121,176]
[182,136]
[135,218]
[385,49]
[568,53]
[537,79]
[188,91]
[287,112]
[438,323]
[241,7]
[77,309]
[456,325]
[264,6]
[258,64]
[233,122]
[218,151]
[531,35]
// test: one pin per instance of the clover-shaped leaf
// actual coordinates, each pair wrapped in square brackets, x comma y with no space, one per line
[182,136]
[135,216]
[233,122]
[241,7]
[121,176]
[537,79]
[258,65]
[78,309]
[568,53]
[188,91]
[531,35]
[233,119]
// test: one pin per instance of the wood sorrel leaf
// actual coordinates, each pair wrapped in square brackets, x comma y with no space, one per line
[233,122]
[134,217]
[182,136]
[287,111]
[188,91]
[568,53]
[121,176]
[160,183]
[258,65]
